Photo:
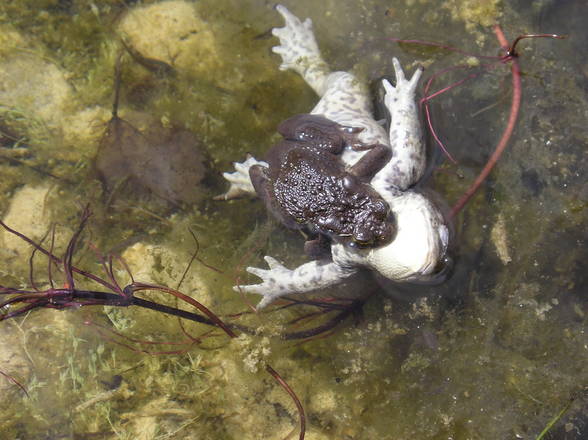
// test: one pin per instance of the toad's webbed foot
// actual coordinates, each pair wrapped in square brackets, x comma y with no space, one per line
[407,164]
[297,43]
[274,283]
[299,50]
[240,182]
[279,281]
[403,90]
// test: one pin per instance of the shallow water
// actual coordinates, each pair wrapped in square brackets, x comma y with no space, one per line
[496,352]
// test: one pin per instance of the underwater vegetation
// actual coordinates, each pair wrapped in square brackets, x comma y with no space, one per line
[498,351]
[71,297]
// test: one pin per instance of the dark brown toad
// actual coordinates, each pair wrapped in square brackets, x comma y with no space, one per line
[306,185]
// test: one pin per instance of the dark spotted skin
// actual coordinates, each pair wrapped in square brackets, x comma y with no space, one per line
[306,185]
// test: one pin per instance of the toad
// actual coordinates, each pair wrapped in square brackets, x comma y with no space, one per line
[419,244]
[307,187]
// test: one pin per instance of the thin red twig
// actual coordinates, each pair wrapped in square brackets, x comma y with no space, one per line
[294,397]
[506,135]
[229,332]
[142,286]
[512,57]
[56,259]
[14,381]
[69,296]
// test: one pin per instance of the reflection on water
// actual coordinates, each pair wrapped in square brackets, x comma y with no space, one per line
[495,352]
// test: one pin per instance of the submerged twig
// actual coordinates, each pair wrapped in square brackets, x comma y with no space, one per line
[507,133]
[14,381]
[510,56]
[292,394]
[23,301]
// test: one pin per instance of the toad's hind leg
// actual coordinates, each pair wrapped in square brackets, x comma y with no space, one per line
[299,50]
[344,99]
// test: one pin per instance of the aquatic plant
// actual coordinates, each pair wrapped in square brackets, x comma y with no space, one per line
[22,301]
[510,55]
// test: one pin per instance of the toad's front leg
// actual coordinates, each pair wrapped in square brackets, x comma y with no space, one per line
[372,162]
[279,281]
[240,181]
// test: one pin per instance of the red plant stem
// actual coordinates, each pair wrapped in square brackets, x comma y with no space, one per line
[511,50]
[434,133]
[289,390]
[14,381]
[506,135]
[56,259]
[68,297]
[229,332]
[141,286]
[449,87]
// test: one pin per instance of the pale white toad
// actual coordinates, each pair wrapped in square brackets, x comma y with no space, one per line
[421,237]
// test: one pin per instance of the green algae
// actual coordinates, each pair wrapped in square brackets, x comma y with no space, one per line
[493,353]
